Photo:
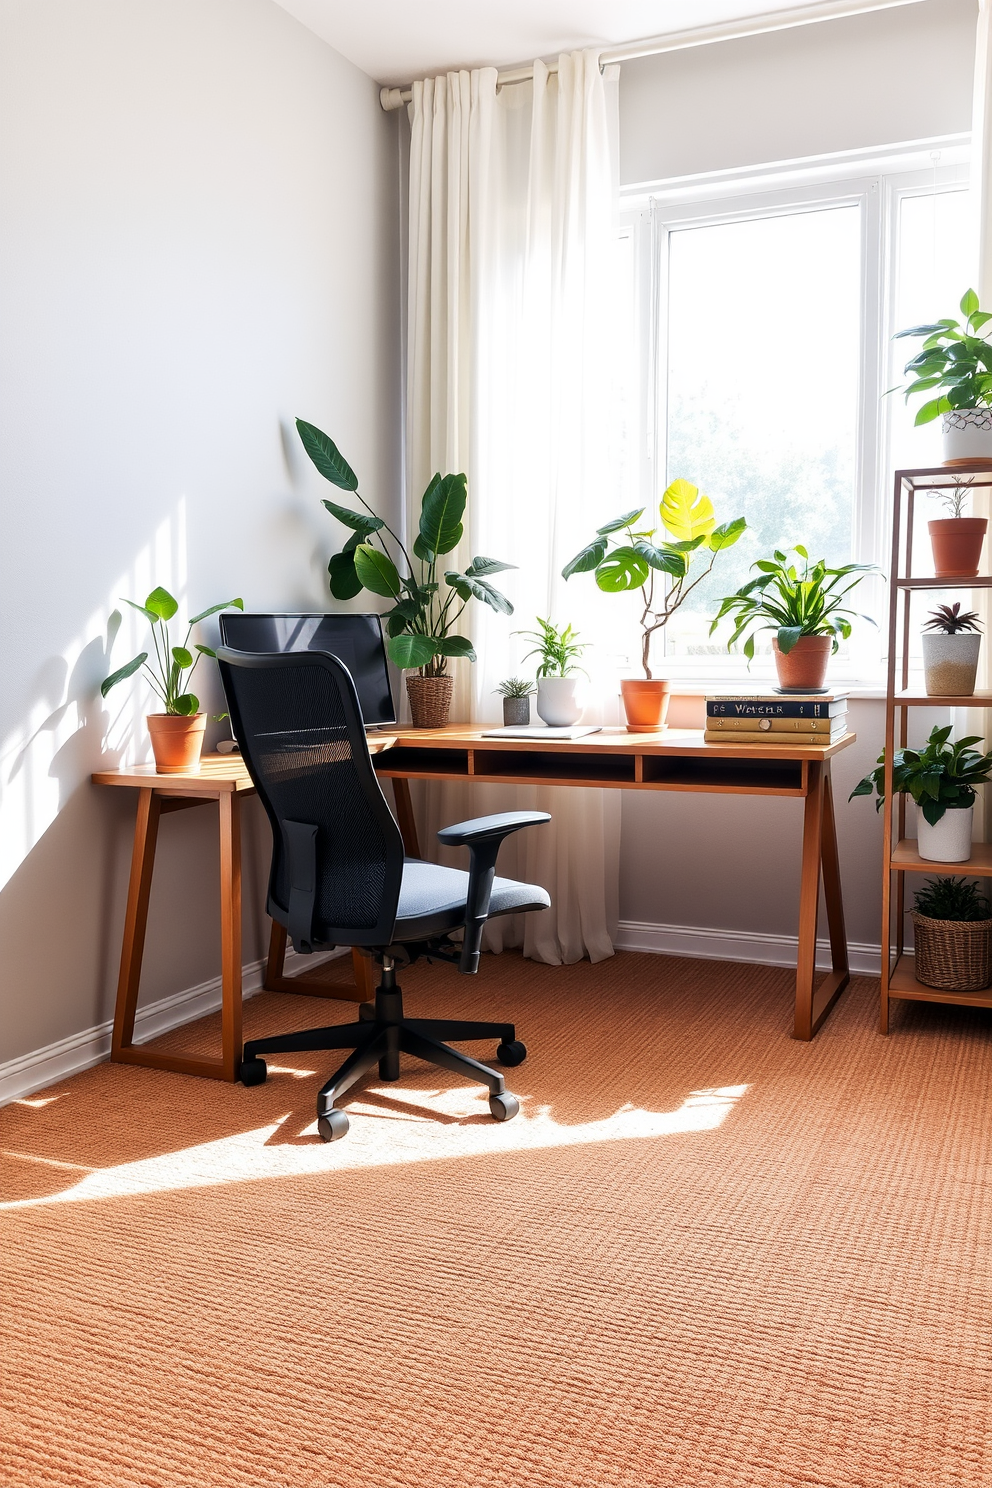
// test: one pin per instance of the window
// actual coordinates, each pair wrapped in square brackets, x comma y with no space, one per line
[766,315]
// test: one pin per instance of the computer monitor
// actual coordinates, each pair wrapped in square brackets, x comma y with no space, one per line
[356,640]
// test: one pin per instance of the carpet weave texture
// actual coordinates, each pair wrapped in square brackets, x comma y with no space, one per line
[704,1255]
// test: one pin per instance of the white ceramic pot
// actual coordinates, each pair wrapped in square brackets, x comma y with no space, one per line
[950,662]
[560,700]
[967,434]
[949,841]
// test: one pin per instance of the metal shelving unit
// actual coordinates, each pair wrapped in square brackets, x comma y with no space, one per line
[900,854]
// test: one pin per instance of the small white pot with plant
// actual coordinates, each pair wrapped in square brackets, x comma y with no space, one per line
[561,684]
[516,693]
[951,644]
[955,367]
[941,778]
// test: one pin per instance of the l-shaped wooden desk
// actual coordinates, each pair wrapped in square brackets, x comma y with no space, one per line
[677,760]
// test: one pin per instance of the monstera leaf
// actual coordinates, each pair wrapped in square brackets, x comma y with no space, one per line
[685,513]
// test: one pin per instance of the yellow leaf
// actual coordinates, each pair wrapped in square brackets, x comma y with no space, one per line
[685,513]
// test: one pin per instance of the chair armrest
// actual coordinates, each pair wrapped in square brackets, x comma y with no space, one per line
[483,837]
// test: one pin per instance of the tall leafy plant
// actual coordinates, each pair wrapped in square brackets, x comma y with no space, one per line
[420,624]
[624,556]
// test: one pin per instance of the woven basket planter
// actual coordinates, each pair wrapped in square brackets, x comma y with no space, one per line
[955,955]
[430,701]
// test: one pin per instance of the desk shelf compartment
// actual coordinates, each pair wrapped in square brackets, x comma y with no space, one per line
[752,777]
[535,766]
[423,764]
[900,853]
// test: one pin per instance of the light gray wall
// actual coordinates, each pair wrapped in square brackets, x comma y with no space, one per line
[873,79]
[198,241]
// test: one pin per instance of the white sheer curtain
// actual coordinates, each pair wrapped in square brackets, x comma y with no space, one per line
[510,378]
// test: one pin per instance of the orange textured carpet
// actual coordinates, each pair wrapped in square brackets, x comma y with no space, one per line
[703,1255]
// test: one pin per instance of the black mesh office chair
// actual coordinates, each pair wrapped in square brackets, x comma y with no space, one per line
[339,876]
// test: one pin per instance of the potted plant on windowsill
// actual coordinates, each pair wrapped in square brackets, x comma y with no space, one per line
[803,605]
[950,651]
[177,733]
[623,556]
[941,778]
[560,693]
[955,365]
[420,626]
[516,693]
[952,931]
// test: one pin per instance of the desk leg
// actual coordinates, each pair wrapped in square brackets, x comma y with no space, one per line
[135,919]
[819,848]
[230,933]
[405,819]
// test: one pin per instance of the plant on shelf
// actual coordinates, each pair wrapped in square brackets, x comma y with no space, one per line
[950,651]
[177,732]
[421,623]
[560,697]
[516,693]
[804,605]
[956,540]
[952,931]
[624,556]
[941,778]
[955,366]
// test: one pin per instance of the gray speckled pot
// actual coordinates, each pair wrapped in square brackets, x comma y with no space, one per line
[516,712]
[950,663]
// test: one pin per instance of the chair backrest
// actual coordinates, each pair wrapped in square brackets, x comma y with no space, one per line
[337,853]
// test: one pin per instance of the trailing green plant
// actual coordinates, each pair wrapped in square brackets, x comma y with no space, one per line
[173,666]
[953,359]
[793,600]
[515,687]
[421,622]
[940,777]
[952,899]
[950,621]
[558,649]
[634,560]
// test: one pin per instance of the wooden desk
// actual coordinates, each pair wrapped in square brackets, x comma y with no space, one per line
[224,779]
[677,760]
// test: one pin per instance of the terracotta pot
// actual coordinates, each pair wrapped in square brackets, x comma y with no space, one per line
[176,742]
[430,701]
[804,669]
[645,704]
[957,546]
[967,435]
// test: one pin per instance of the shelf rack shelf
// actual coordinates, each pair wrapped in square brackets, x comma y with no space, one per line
[900,853]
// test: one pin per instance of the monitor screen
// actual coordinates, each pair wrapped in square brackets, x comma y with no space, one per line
[355,640]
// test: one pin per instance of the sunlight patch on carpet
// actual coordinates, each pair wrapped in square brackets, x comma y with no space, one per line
[404,1136]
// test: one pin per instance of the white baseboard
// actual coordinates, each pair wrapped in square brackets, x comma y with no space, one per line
[736,945]
[80,1051]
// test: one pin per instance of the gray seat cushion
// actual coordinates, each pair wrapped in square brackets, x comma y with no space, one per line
[432,898]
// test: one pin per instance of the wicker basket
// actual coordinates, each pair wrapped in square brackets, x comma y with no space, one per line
[955,955]
[430,701]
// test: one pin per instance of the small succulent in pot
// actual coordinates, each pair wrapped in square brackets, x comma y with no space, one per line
[516,694]
[950,651]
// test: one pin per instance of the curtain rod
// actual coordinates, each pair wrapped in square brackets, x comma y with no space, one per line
[675,41]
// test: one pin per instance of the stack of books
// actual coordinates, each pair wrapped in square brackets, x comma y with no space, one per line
[761,718]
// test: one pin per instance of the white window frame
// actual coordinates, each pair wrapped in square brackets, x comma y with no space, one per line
[874,181]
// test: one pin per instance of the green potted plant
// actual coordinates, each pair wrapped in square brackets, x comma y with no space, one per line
[950,651]
[420,626]
[952,931]
[804,605]
[956,540]
[177,732]
[560,694]
[941,778]
[622,556]
[516,693]
[954,366]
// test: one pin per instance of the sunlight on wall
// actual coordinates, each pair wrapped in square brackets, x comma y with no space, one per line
[387,1134]
[70,730]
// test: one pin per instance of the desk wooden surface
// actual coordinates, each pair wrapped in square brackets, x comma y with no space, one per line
[612,741]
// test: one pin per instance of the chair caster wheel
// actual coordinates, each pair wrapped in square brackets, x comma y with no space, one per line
[333,1126]
[253,1071]
[504,1107]
[512,1053]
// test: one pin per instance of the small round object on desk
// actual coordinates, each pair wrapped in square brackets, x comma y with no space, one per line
[504,1107]
[333,1126]
[253,1071]
[512,1053]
